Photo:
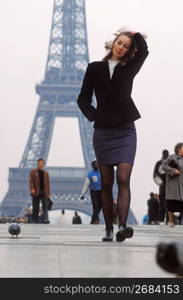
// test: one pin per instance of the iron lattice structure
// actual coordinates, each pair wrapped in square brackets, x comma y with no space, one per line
[66,63]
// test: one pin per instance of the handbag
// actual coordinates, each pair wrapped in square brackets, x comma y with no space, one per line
[173,164]
[50,203]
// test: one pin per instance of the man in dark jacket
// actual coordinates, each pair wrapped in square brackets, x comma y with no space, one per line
[40,191]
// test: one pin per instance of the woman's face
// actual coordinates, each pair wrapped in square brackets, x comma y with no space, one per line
[121,46]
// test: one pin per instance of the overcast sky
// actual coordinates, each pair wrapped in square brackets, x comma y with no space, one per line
[158,88]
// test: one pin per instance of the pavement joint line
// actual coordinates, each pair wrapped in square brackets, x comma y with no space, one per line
[85,244]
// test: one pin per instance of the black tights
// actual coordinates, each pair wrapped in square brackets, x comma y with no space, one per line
[124,195]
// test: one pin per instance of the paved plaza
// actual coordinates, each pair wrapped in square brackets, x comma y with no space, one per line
[77,251]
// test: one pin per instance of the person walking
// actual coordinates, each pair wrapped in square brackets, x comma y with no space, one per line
[40,191]
[173,166]
[114,138]
[93,182]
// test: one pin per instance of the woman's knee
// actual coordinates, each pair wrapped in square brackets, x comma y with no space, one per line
[123,179]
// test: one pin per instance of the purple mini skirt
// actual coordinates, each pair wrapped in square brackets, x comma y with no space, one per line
[115,145]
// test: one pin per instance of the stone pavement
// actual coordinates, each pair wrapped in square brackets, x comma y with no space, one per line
[77,251]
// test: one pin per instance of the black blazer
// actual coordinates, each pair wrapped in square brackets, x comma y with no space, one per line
[114,103]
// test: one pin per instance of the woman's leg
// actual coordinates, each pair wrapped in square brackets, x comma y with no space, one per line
[94,200]
[107,180]
[180,217]
[171,218]
[124,196]
[35,208]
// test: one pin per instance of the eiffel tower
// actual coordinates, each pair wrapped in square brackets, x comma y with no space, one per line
[66,63]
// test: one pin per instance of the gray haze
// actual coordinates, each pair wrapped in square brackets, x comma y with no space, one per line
[158,88]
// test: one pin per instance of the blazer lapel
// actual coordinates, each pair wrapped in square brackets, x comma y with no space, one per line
[105,75]
[37,176]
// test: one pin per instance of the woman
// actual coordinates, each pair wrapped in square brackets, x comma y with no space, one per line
[114,137]
[173,166]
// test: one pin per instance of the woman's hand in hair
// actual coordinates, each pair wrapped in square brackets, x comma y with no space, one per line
[143,34]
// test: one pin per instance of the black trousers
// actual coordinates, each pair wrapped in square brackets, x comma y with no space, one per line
[35,208]
[153,215]
[96,203]
[162,202]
